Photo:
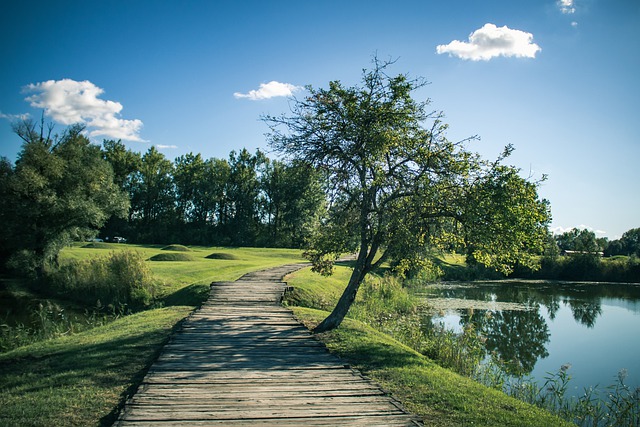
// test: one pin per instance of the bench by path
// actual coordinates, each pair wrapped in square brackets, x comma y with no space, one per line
[242,359]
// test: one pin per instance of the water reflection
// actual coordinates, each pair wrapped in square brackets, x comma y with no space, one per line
[519,338]
[516,339]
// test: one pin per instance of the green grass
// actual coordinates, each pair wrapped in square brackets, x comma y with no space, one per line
[440,396]
[83,379]
[172,257]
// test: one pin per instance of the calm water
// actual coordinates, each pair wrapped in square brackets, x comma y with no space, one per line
[593,327]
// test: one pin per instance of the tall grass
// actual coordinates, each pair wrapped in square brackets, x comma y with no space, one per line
[617,405]
[121,281]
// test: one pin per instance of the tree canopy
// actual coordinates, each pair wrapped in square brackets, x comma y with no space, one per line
[60,190]
[396,187]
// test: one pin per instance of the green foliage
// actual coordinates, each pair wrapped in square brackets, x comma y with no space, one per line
[59,190]
[387,305]
[586,267]
[397,187]
[617,405]
[50,321]
[122,280]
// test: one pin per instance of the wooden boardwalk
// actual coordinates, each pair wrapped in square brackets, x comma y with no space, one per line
[242,359]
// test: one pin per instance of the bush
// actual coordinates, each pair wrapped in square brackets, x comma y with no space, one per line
[122,280]
[382,299]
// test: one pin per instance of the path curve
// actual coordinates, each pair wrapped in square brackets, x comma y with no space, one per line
[242,359]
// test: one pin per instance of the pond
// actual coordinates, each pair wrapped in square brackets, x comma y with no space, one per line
[539,326]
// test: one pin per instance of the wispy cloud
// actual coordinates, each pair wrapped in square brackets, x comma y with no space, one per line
[13,117]
[68,101]
[269,90]
[491,41]
[567,6]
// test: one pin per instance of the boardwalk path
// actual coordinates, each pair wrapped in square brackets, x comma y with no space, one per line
[242,359]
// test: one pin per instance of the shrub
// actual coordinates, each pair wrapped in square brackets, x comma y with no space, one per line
[121,280]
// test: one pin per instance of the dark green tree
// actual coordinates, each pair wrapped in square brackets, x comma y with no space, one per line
[242,192]
[291,203]
[396,186]
[578,240]
[126,166]
[60,190]
[153,197]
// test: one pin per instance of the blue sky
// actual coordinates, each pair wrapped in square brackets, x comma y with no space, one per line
[557,79]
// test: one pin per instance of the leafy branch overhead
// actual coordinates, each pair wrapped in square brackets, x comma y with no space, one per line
[397,187]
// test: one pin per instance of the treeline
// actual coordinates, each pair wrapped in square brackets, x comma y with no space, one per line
[578,254]
[245,200]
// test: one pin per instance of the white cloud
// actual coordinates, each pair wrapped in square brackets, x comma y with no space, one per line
[13,117]
[491,41]
[567,6]
[68,101]
[560,229]
[574,24]
[269,90]
[161,146]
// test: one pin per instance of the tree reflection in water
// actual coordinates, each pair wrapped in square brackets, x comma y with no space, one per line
[585,312]
[514,339]
[518,339]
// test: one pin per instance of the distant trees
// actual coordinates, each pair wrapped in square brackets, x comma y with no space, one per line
[395,186]
[583,241]
[628,244]
[245,200]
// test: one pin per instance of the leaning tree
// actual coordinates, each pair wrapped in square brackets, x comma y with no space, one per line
[396,186]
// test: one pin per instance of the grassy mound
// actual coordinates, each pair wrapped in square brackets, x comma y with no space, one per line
[222,256]
[172,257]
[178,248]
[97,245]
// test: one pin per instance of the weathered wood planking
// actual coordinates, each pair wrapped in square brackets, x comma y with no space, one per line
[242,359]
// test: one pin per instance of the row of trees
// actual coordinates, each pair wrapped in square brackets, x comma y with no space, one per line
[247,200]
[585,241]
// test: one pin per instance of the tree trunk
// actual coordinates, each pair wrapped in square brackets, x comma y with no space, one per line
[348,296]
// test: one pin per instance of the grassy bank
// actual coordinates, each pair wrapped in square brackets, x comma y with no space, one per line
[83,379]
[440,396]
